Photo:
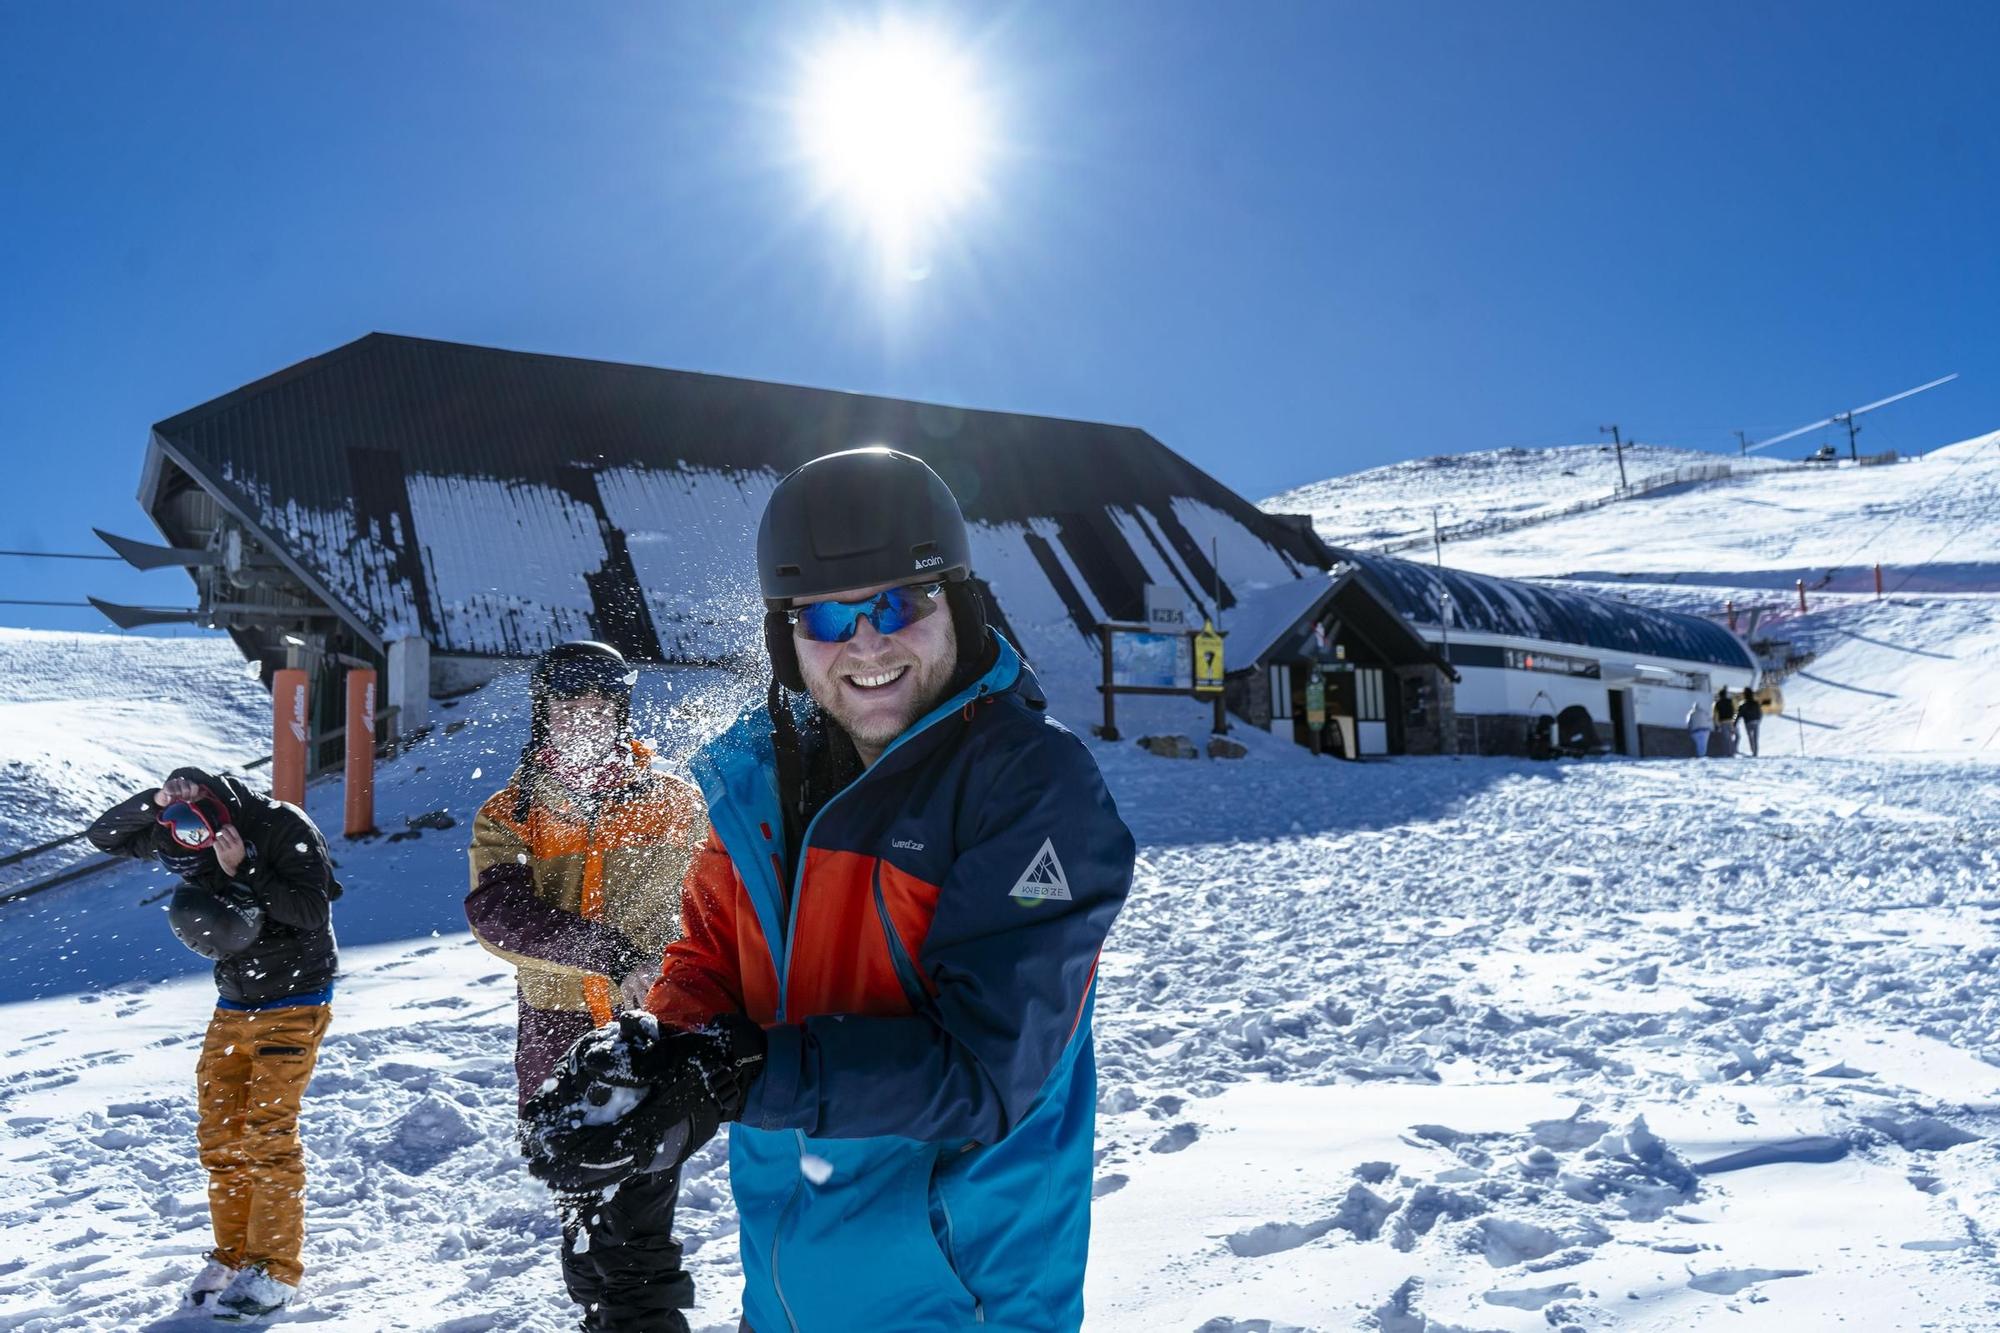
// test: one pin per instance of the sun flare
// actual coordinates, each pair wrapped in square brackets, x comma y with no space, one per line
[894,126]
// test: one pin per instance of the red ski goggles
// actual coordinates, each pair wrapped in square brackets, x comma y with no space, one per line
[194,824]
[898,608]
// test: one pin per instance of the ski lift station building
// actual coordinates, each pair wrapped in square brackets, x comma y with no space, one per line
[1424,659]
[441,510]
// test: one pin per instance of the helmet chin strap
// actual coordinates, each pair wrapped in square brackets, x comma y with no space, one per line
[783,651]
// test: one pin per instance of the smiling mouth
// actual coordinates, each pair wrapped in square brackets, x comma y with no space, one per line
[880,680]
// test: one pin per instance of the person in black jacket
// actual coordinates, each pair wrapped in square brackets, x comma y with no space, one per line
[1723,742]
[1750,712]
[255,895]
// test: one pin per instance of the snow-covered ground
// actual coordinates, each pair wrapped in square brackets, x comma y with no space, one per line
[1385,504]
[1419,1046]
[1376,1044]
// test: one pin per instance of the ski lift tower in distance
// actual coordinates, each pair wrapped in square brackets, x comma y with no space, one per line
[1847,419]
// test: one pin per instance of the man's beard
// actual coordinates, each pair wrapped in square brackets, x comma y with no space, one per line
[933,680]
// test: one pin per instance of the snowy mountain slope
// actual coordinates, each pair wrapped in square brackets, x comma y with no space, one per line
[86,718]
[1482,974]
[1911,674]
[1388,503]
[1933,523]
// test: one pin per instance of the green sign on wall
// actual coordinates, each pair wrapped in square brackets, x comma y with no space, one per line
[1316,699]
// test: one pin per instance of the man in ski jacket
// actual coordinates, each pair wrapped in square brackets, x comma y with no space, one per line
[891,935]
[576,880]
[255,895]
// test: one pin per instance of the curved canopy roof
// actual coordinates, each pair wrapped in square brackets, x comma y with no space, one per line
[1483,604]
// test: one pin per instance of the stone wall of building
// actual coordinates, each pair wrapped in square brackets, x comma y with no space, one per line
[1428,725]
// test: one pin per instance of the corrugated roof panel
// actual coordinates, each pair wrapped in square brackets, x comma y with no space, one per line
[532,481]
[692,535]
[507,562]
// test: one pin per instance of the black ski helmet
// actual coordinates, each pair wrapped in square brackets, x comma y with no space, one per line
[212,925]
[861,518]
[580,669]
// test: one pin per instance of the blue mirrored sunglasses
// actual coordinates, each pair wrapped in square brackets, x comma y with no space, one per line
[836,622]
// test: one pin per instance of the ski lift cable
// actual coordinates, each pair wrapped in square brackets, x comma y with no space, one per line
[1847,417]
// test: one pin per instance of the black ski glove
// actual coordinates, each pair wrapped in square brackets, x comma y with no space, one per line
[630,1099]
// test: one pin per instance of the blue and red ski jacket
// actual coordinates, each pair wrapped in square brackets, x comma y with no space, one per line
[918,1151]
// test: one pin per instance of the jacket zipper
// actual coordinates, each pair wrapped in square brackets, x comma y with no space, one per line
[777,1235]
[899,957]
[951,1256]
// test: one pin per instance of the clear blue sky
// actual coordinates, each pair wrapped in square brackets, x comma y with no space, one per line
[1290,240]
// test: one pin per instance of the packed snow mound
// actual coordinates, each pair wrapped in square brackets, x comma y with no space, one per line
[87,719]
[1389,503]
[1911,674]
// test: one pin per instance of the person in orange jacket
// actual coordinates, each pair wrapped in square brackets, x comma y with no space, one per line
[576,880]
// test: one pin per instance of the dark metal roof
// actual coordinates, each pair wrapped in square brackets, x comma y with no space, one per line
[491,499]
[1483,604]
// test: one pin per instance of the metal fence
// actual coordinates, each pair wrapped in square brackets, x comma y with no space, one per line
[1694,474]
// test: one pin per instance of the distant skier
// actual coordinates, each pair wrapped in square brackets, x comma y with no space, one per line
[891,937]
[1724,714]
[1699,725]
[576,880]
[255,896]
[1750,712]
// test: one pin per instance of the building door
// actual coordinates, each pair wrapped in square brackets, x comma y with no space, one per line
[1621,713]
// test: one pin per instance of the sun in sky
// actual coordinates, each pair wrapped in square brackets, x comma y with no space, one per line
[896,129]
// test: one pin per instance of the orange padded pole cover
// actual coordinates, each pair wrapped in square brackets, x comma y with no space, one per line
[360,777]
[290,725]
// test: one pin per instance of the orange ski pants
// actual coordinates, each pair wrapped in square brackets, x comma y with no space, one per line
[254,1067]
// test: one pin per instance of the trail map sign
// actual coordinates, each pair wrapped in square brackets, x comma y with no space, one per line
[1139,659]
[1150,659]
[1207,660]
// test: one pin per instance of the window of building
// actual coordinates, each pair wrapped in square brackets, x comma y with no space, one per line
[1281,692]
[1368,696]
